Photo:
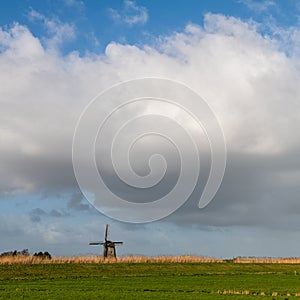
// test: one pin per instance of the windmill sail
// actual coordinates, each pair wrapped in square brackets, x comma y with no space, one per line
[107,233]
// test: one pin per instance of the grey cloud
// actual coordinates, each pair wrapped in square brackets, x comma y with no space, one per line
[38,211]
[75,202]
[36,214]
[253,193]
[35,218]
[56,213]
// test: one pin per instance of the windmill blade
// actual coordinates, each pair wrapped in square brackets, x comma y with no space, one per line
[118,243]
[107,232]
[95,243]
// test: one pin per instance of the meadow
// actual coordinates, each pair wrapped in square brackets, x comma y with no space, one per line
[184,277]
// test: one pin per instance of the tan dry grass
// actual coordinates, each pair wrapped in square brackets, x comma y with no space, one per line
[168,259]
[140,259]
[99,259]
[266,260]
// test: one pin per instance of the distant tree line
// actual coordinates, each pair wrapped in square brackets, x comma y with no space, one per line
[25,252]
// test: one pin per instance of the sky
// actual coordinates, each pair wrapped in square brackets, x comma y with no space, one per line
[241,56]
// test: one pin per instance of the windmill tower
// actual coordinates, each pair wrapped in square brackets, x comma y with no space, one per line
[109,249]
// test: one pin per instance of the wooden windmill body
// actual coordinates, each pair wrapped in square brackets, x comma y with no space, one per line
[109,249]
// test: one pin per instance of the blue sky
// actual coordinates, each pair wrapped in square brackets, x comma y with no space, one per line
[96,27]
[242,56]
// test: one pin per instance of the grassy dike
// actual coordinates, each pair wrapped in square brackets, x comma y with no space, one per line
[150,281]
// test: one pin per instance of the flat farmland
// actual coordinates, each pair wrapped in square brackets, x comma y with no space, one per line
[225,280]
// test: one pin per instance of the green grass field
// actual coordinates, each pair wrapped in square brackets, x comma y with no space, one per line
[150,281]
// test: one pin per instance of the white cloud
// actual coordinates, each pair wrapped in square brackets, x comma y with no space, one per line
[258,6]
[131,14]
[59,32]
[78,4]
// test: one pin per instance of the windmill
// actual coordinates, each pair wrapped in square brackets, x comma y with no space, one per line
[109,249]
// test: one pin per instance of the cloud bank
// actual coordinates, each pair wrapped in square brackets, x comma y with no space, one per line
[246,76]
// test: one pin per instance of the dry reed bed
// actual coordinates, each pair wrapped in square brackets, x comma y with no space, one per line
[99,259]
[140,259]
[266,260]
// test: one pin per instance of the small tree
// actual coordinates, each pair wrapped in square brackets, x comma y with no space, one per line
[45,255]
[24,252]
